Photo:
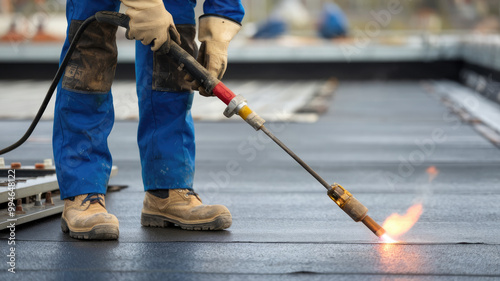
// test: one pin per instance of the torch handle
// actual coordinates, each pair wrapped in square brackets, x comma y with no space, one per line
[113,18]
[182,58]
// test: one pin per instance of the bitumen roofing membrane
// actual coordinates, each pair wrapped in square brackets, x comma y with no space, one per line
[379,140]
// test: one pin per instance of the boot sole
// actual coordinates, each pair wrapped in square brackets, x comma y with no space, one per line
[98,232]
[219,223]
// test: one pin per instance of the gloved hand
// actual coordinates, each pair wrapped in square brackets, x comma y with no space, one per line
[150,23]
[214,34]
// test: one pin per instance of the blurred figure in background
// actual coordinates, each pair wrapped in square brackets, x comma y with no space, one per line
[286,15]
[333,22]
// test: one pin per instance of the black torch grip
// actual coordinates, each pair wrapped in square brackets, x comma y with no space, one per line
[113,18]
[189,64]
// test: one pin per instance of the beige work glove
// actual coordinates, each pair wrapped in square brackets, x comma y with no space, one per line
[214,34]
[150,23]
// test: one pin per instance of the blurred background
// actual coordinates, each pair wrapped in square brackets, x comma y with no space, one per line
[296,39]
[32,31]
[29,19]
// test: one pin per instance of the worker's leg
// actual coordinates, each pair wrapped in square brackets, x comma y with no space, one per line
[166,132]
[166,135]
[82,122]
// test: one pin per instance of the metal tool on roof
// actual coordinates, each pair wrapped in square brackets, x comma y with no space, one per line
[236,104]
[22,187]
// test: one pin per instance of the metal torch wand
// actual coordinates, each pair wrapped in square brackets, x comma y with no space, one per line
[236,104]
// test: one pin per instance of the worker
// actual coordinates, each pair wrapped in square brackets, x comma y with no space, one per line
[84,113]
[333,22]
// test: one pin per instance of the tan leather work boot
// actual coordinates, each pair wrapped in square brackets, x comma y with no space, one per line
[85,217]
[184,208]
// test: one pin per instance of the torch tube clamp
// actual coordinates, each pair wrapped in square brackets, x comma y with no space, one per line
[235,105]
[347,202]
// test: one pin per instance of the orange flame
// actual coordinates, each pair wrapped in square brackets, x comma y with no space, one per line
[433,172]
[396,225]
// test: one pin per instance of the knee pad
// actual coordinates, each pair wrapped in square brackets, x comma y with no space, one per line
[92,66]
[166,76]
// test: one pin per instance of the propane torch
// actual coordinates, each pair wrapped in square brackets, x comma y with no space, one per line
[236,104]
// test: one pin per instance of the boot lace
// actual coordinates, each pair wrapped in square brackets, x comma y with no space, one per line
[94,198]
[191,192]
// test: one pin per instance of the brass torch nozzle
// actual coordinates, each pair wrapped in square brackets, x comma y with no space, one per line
[373,226]
[354,208]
